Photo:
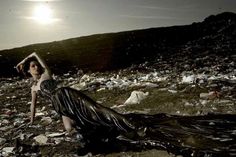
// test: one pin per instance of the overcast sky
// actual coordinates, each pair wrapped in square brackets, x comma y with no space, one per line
[21,24]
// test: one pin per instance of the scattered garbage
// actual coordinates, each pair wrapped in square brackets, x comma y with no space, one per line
[41,139]
[210,95]
[8,150]
[2,140]
[188,79]
[136,97]
[46,121]
[56,134]
[205,89]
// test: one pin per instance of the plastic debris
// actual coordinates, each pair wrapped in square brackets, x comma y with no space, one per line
[41,139]
[55,134]
[189,79]
[136,97]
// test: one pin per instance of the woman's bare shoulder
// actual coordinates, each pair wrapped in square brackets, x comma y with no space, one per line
[45,76]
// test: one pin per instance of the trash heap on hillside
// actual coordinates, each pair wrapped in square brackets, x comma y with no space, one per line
[17,138]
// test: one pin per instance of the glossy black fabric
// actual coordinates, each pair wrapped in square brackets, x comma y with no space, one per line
[212,134]
[90,117]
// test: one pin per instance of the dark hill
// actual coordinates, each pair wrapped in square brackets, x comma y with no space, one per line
[215,35]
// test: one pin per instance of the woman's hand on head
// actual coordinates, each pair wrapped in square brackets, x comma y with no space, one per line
[19,67]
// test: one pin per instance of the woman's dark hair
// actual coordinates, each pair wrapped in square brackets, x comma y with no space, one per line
[26,66]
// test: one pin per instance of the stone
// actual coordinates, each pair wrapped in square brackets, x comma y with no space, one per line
[41,139]
[2,140]
[8,149]
[46,121]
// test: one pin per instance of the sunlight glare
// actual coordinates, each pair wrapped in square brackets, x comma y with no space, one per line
[43,14]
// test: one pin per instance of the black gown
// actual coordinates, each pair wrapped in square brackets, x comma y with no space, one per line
[99,127]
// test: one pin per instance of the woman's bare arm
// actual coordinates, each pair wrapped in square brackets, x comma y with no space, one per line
[32,106]
[47,72]
[40,60]
[19,66]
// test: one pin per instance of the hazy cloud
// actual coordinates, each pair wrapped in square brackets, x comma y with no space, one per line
[41,0]
[33,18]
[180,7]
[147,17]
[153,7]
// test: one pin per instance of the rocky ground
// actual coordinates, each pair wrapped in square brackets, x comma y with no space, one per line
[159,88]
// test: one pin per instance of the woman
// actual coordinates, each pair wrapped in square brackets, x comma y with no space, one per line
[99,126]
[93,121]
[37,68]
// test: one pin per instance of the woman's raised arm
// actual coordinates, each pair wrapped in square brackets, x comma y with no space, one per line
[20,65]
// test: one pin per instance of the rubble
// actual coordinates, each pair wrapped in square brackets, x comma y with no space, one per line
[41,139]
[7,151]
[205,89]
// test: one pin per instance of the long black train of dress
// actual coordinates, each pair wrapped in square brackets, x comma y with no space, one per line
[103,129]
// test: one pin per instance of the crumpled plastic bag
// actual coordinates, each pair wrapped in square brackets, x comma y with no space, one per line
[136,97]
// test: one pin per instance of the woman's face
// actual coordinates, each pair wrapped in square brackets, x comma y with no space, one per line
[34,68]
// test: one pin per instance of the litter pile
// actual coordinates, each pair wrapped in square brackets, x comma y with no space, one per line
[194,92]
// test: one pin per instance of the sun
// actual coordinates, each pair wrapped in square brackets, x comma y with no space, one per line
[43,14]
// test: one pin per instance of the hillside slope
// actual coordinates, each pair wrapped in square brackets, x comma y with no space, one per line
[215,35]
